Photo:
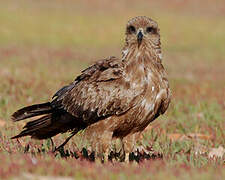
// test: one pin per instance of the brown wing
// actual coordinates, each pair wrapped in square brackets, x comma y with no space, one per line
[100,91]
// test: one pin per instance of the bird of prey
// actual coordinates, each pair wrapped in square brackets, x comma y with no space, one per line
[114,99]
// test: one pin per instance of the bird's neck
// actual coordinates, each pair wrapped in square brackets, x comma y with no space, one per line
[135,54]
[140,64]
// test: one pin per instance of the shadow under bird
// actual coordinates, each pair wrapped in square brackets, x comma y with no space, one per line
[114,99]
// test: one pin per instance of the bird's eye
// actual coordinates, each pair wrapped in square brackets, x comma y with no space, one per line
[151,30]
[131,29]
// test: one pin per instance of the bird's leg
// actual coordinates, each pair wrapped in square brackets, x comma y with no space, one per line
[106,155]
[140,150]
[101,146]
[117,150]
[128,147]
[127,154]
[104,147]
[65,142]
[98,152]
[129,144]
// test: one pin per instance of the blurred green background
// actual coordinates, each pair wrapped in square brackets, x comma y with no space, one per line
[44,44]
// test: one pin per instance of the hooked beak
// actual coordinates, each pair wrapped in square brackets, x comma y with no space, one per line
[139,38]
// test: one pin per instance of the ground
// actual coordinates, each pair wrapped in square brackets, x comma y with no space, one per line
[44,45]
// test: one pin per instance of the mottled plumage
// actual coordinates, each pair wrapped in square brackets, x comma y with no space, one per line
[112,99]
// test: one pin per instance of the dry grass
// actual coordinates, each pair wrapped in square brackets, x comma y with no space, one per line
[44,45]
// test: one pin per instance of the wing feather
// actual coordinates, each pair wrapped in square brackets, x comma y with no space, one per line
[100,91]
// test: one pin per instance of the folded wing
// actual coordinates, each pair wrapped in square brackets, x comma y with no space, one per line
[100,91]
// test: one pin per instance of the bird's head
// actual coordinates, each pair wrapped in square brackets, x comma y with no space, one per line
[142,32]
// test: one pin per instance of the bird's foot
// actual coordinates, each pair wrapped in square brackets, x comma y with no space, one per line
[117,151]
[141,152]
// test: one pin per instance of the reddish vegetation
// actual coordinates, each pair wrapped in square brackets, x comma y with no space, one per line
[31,71]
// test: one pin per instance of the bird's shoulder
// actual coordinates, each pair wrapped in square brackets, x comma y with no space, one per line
[103,70]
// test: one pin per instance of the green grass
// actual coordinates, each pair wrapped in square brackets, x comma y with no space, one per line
[44,45]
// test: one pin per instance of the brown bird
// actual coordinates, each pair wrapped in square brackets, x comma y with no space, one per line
[112,99]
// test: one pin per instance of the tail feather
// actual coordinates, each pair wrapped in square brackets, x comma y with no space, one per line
[32,127]
[51,122]
[34,123]
[39,123]
[31,111]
